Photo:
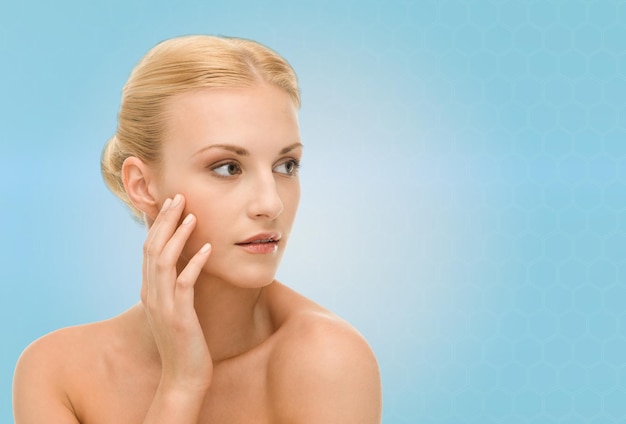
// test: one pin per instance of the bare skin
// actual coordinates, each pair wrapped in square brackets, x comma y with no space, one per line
[215,338]
[109,372]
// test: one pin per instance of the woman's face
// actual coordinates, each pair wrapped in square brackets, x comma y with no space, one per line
[234,154]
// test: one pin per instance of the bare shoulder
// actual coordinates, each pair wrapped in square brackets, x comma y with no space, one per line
[60,351]
[44,375]
[53,369]
[323,370]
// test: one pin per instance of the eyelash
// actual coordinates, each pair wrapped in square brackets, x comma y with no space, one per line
[294,162]
[228,165]
[296,167]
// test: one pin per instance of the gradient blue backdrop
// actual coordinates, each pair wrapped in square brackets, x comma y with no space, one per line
[464,187]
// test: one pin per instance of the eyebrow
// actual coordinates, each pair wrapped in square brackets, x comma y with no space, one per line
[243,152]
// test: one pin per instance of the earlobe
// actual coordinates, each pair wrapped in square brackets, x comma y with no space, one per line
[137,177]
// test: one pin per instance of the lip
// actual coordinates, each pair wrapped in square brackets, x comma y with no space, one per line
[263,244]
[260,239]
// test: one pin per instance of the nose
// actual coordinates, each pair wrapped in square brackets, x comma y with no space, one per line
[265,200]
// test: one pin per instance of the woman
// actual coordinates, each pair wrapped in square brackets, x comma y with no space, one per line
[206,154]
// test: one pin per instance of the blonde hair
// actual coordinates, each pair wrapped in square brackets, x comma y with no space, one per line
[173,67]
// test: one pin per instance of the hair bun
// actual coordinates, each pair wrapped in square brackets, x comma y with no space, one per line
[111,163]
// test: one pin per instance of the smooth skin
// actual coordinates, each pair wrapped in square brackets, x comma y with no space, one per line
[215,339]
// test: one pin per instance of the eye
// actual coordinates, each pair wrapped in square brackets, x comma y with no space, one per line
[227,169]
[289,167]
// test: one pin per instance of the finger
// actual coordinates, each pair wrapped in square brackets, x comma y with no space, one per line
[173,250]
[184,296]
[161,269]
[156,223]
[164,225]
[149,238]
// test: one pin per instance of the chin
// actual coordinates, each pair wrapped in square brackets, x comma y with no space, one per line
[249,276]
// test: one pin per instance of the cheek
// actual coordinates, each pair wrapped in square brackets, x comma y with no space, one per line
[213,215]
[291,198]
[205,231]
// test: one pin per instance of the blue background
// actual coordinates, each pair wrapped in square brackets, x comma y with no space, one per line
[464,187]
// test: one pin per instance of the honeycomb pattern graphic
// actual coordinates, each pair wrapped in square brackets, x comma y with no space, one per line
[531,149]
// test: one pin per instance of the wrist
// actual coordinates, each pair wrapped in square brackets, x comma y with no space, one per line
[182,390]
[175,403]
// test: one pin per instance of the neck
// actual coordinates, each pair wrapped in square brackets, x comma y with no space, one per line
[233,319]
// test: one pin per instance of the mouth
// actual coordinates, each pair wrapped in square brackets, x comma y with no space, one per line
[261,238]
[261,243]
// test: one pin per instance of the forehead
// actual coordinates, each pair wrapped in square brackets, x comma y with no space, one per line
[250,116]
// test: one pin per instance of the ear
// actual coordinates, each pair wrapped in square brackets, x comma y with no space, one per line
[141,188]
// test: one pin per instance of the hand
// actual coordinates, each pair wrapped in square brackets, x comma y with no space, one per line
[168,299]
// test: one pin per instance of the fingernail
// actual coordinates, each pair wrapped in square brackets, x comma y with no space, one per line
[166,204]
[176,200]
[188,219]
[205,248]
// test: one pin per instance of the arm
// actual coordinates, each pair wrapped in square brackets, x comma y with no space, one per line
[168,300]
[329,376]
